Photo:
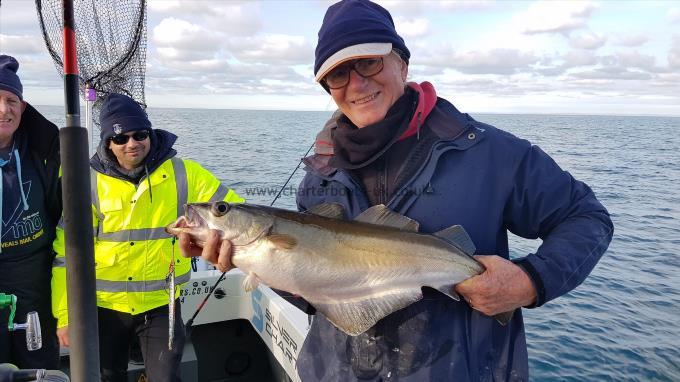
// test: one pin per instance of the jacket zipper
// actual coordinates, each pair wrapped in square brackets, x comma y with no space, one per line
[382,181]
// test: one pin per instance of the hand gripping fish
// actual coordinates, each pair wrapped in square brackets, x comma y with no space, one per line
[353,272]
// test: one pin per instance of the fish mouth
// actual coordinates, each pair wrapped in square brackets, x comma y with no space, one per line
[182,224]
[191,223]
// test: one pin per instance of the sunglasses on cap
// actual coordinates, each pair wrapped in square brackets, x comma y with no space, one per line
[365,67]
[122,139]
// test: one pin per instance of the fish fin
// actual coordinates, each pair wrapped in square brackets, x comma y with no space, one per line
[282,241]
[356,317]
[329,210]
[251,282]
[379,214]
[504,318]
[457,236]
[449,291]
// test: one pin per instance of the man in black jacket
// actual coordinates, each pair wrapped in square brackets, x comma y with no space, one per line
[30,207]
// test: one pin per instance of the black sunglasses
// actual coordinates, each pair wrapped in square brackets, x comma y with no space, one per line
[122,139]
[365,67]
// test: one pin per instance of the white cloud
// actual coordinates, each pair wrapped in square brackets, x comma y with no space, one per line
[174,37]
[673,15]
[163,6]
[25,44]
[410,7]
[634,59]
[176,64]
[579,58]
[219,77]
[668,80]
[553,66]
[632,40]
[233,17]
[411,28]
[19,17]
[404,7]
[168,53]
[211,65]
[539,27]
[37,71]
[674,53]
[466,5]
[494,61]
[587,41]
[612,73]
[272,49]
[623,65]
[592,83]
[556,16]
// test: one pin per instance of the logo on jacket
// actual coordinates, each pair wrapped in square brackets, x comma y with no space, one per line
[117,128]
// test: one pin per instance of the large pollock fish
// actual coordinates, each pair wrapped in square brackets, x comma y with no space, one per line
[353,272]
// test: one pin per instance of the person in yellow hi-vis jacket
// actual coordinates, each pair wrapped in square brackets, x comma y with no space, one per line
[138,187]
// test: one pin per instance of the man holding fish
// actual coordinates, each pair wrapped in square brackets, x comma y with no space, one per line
[450,184]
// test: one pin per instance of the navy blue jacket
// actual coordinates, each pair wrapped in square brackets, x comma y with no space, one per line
[27,269]
[490,182]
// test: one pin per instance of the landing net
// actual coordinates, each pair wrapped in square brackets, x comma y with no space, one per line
[111,44]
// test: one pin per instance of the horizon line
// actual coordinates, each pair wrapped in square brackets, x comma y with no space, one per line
[468,112]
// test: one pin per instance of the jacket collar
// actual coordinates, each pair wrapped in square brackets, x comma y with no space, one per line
[44,134]
[449,124]
[427,99]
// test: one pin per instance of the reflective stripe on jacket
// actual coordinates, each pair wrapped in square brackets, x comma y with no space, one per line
[132,250]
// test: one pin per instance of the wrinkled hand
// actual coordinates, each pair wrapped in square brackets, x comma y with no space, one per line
[213,251]
[62,334]
[503,287]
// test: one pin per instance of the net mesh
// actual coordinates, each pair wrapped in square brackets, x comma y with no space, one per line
[111,44]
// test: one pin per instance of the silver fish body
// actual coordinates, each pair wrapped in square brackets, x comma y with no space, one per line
[353,272]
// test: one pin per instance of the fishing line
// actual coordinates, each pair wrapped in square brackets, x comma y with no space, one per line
[291,174]
[190,323]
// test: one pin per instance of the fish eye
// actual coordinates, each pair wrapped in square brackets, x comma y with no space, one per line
[220,208]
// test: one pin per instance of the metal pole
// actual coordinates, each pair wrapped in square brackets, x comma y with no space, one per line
[82,300]
[90,97]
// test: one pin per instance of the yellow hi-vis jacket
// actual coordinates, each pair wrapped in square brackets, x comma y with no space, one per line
[132,250]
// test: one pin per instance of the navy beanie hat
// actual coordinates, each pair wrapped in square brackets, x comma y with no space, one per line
[8,76]
[354,29]
[121,114]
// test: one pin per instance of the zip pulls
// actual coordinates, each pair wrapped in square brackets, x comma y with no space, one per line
[148,180]
[381,179]
[21,183]
[418,124]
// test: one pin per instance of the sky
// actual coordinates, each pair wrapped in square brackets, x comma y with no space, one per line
[545,57]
